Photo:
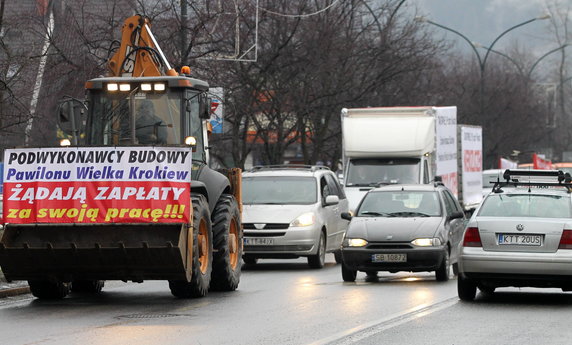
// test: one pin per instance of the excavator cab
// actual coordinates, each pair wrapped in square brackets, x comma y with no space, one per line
[147,111]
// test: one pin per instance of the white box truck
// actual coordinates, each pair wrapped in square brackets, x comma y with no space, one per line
[389,145]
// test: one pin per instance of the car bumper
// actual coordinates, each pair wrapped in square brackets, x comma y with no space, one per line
[418,259]
[291,242]
[477,261]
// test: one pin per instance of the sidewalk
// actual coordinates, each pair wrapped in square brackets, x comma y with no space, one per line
[13,288]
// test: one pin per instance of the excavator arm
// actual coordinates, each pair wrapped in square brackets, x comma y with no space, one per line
[139,54]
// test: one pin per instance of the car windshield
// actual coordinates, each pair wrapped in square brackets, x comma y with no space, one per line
[400,204]
[372,172]
[526,205]
[282,190]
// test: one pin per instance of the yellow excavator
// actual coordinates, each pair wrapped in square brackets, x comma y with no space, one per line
[195,257]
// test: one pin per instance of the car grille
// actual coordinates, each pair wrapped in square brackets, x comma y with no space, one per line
[385,245]
[269,226]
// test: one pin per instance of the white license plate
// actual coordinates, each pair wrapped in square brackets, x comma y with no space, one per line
[258,241]
[521,240]
[388,257]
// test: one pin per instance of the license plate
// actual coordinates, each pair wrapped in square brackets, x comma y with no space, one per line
[258,241]
[388,257]
[520,240]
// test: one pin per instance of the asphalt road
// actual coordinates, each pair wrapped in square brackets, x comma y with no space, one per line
[285,302]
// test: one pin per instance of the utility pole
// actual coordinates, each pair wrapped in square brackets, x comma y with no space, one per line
[183,33]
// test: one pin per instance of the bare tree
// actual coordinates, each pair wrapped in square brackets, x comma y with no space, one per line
[310,68]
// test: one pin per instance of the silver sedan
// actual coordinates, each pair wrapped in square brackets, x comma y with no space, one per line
[521,235]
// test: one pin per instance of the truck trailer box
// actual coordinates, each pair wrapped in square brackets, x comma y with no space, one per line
[387,145]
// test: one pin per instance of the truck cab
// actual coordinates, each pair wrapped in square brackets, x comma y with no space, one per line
[363,174]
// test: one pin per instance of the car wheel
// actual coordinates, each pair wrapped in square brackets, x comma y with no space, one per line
[249,260]
[487,290]
[442,273]
[456,269]
[348,275]
[466,288]
[338,256]
[318,260]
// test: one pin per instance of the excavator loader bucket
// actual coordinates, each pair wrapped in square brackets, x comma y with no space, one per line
[70,252]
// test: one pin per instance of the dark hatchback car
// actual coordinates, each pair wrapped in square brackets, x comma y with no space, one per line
[412,228]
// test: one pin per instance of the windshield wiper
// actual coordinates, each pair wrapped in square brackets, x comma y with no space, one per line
[362,184]
[407,213]
[374,213]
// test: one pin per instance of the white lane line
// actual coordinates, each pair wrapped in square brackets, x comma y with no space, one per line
[361,332]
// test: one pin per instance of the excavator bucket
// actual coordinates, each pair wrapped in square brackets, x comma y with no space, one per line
[103,252]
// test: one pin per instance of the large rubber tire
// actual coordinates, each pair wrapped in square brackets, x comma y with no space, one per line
[442,273]
[202,253]
[348,275]
[318,260]
[467,289]
[44,289]
[227,244]
[87,286]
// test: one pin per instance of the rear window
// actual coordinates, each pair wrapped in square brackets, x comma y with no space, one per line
[526,205]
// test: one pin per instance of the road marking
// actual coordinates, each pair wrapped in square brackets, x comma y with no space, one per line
[358,333]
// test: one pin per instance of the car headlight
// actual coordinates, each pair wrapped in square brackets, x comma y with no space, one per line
[356,242]
[305,219]
[426,242]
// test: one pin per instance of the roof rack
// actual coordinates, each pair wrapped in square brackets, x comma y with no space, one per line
[438,181]
[537,178]
[289,166]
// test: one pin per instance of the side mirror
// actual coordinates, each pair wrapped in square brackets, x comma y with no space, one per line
[346,216]
[204,106]
[332,200]
[456,215]
[71,118]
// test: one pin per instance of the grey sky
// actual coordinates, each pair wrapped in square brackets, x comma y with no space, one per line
[483,20]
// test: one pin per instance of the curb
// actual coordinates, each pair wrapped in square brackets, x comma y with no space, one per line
[7,291]
[14,291]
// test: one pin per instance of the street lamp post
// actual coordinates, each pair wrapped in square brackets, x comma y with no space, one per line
[532,67]
[481,60]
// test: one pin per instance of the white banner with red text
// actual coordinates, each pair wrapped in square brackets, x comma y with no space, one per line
[97,185]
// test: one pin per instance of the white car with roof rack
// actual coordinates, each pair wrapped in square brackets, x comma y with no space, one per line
[520,236]
[292,211]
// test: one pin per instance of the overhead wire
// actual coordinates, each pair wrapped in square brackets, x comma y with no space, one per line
[299,15]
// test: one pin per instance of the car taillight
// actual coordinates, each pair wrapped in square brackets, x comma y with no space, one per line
[472,238]
[566,240]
